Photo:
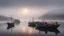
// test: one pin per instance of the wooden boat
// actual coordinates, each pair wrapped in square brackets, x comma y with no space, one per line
[48,26]
[10,25]
[33,24]
[42,25]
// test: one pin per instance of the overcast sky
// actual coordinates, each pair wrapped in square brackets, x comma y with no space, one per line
[36,7]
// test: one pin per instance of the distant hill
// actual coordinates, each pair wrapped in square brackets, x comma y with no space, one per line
[4,18]
[54,15]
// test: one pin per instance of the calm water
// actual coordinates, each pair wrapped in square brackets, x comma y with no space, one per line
[23,30]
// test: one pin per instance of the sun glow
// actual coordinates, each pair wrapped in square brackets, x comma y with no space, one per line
[25,11]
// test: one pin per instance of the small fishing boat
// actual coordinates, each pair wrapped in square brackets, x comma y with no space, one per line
[42,25]
[35,23]
[48,26]
[10,24]
[32,24]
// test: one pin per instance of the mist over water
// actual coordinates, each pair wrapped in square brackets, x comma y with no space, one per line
[24,30]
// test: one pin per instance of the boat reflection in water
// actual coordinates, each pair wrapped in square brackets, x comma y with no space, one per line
[46,28]
[56,31]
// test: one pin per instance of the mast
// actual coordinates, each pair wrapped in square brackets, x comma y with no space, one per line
[33,19]
[11,19]
[43,19]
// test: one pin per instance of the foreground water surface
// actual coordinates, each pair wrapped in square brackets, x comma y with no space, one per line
[23,29]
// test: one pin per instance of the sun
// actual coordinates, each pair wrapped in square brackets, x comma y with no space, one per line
[25,11]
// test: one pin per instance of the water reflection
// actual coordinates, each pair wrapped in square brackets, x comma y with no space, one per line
[24,29]
[56,31]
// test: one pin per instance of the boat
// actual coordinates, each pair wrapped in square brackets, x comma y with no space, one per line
[42,25]
[33,24]
[10,24]
[48,26]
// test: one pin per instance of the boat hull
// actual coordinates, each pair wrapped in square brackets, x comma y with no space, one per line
[10,25]
[48,27]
